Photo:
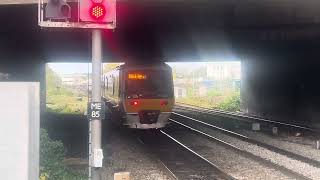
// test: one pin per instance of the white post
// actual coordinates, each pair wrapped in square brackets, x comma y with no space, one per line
[95,124]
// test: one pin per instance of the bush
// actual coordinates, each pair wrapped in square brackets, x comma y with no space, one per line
[51,160]
[51,156]
[231,104]
[213,93]
[60,98]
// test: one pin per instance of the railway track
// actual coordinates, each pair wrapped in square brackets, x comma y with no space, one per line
[181,161]
[243,117]
[200,127]
[253,141]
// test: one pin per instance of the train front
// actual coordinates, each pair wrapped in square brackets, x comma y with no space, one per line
[149,96]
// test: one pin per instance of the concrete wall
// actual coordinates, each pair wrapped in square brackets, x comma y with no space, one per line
[277,85]
[25,70]
[19,131]
[281,87]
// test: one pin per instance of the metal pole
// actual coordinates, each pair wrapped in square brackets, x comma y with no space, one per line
[96,97]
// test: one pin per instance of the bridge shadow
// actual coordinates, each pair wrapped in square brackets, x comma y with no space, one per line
[71,129]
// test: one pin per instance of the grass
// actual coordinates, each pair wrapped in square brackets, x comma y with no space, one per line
[228,101]
[62,103]
[202,102]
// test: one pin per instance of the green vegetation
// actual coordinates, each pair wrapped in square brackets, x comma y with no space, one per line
[51,160]
[196,101]
[231,103]
[226,99]
[61,99]
[214,85]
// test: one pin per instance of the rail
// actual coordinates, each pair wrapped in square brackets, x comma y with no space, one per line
[283,169]
[241,116]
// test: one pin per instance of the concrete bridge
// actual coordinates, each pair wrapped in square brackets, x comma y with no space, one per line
[277,43]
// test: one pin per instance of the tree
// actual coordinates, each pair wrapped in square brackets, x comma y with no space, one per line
[52,79]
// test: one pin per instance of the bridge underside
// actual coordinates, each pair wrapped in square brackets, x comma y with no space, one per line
[276,42]
[171,31]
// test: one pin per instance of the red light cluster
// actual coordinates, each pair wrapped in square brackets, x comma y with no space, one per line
[97,11]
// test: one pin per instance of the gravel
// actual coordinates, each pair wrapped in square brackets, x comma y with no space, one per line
[123,153]
[307,141]
[302,149]
[294,165]
[238,166]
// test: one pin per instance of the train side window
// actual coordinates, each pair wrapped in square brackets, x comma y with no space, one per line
[103,86]
[110,85]
[113,79]
[116,89]
[106,82]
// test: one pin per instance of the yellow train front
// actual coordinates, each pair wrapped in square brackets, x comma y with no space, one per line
[142,95]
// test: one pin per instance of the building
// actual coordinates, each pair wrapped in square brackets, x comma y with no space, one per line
[180,92]
[224,71]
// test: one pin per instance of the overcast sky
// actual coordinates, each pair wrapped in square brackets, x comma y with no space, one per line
[70,68]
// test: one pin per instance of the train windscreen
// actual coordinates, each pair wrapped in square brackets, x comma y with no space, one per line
[149,84]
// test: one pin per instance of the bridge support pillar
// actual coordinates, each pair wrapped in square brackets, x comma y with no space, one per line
[281,88]
[26,70]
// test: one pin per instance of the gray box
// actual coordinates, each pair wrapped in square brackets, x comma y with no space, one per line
[19,130]
[256,126]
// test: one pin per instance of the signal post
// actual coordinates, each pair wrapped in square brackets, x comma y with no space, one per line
[95,15]
[96,154]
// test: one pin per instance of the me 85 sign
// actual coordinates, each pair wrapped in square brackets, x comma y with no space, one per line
[96,110]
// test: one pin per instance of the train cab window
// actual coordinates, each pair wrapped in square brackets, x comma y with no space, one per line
[149,84]
[110,85]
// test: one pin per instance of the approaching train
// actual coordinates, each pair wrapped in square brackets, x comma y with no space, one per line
[141,95]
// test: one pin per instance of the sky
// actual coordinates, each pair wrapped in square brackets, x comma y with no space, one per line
[70,68]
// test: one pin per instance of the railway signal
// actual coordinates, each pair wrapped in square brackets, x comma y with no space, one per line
[85,14]
[95,15]
[98,11]
[57,9]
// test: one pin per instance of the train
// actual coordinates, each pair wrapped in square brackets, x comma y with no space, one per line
[141,96]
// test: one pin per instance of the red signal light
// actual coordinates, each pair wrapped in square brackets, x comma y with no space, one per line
[98,11]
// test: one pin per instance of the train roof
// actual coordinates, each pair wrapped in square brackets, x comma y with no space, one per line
[148,65]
